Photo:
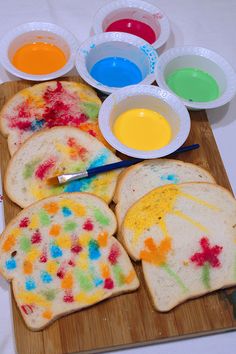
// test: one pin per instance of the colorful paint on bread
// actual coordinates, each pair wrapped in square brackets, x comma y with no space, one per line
[147,212]
[68,155]
[69,260]
[49,105]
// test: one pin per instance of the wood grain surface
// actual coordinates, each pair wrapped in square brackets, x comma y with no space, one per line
[129,320]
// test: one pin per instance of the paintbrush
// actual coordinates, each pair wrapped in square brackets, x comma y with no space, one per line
[68,177]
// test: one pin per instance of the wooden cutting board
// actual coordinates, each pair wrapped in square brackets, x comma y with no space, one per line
[129,320]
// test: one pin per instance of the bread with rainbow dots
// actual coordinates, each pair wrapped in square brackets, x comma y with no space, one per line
[60,256]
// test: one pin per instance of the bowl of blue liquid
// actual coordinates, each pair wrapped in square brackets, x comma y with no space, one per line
[109,61]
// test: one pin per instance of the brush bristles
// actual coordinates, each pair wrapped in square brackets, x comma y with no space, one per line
[53,181]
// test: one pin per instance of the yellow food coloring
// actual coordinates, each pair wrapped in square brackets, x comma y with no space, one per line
[84,239]
[154,206]
[83,261]
[64,241]
[78,209]
[52,267]
[33,254]
[28,297]
[34,222]
[90,299]
[151,210]
[142,129]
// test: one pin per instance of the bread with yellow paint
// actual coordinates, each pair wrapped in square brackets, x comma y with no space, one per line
[135,181]
[185,236]
[50,104]
[55,151]
[60,256]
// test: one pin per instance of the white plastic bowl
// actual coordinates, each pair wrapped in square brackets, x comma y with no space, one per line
[37,32]
[205,60]
[115,44]
[149,97]
[136,10]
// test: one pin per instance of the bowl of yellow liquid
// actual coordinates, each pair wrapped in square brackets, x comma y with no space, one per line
[38,51]
[144,121]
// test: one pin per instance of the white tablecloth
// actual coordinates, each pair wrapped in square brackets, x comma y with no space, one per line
[207,23]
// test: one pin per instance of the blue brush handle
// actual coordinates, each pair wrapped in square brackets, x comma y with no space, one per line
[126,163]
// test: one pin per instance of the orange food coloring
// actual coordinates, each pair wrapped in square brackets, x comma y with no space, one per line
[47,314]
[9,243]
[130,277]
[105,271]
[55,230]
[156,254]
[102,239]
[27,267]
[67,281]
[51,208]
[39,58]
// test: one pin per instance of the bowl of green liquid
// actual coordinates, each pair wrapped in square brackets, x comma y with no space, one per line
[201,78]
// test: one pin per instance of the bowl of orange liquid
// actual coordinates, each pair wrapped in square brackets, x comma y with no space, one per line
[144,121]
[38,51]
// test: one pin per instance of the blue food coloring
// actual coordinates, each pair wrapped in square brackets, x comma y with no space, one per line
[172,178]
[98,281]
[94,252]
[66,211]
[10,264]
[30,284]
[79,185]
[83,185]
[45,277]
[116,72]
[100,160]
[37,124]
[55,251]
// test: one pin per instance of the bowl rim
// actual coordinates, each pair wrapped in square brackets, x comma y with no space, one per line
[209,54]
[11,35]
[159,14]
[154,91]
[91,42]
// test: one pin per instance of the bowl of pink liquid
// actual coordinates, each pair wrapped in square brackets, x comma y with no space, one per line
[135,17]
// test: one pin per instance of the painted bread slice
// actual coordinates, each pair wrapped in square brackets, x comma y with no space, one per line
[47,105]
[60,256]
[55,151]
[185,237]
[135,181]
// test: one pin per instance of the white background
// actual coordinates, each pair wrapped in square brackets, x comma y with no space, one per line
[207,23]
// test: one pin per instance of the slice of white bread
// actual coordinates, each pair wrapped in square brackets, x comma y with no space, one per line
[61,257]
[55,151]
[185,236]
[49,104]
[135,181]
